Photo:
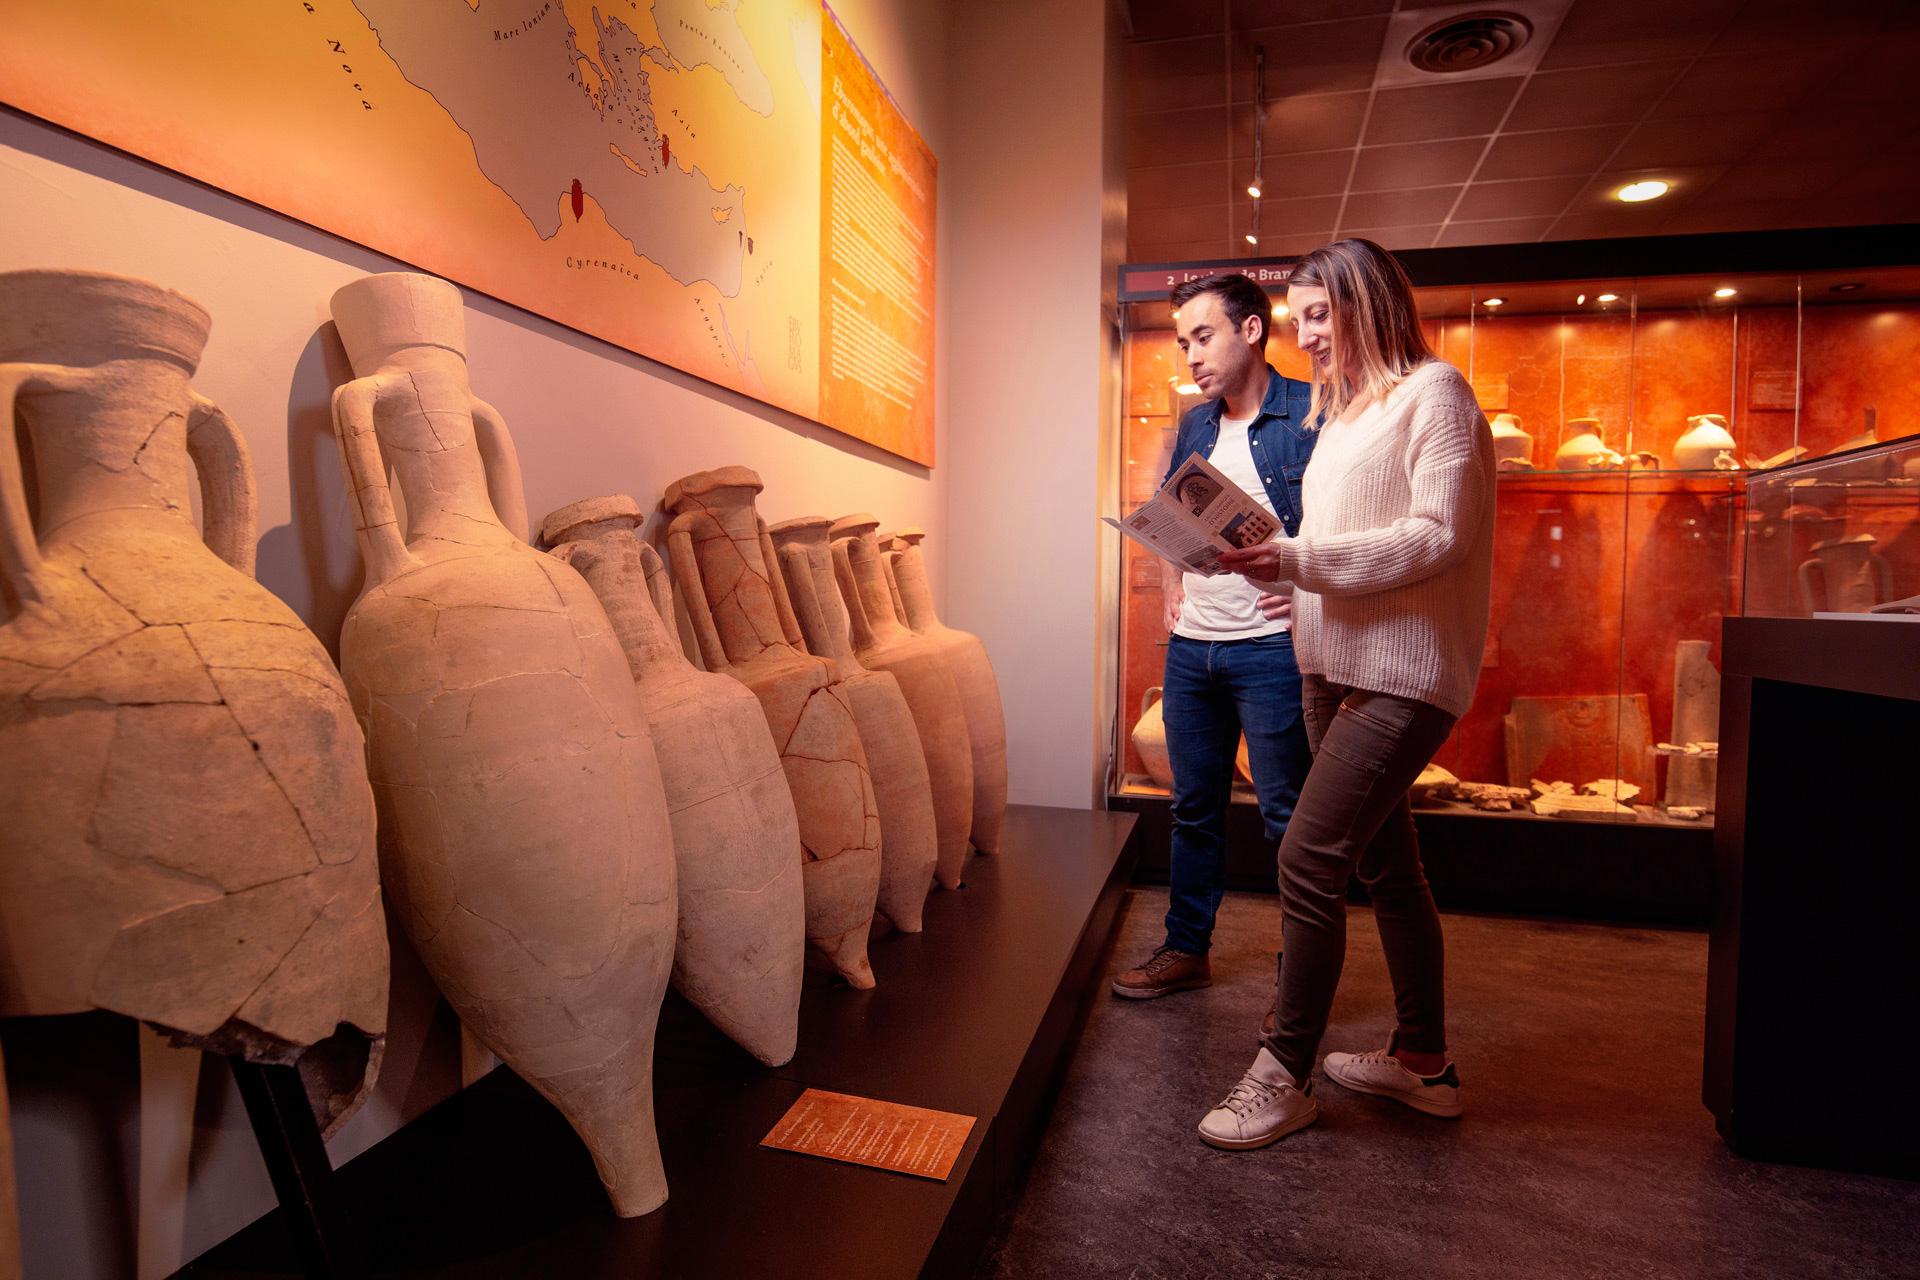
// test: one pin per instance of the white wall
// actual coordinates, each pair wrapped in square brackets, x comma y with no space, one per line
[1030,350]
[1025,133]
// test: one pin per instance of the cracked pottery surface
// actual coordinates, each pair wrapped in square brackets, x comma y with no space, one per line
[902,786]
[979,691]
[741,946]
[744,629]
[524,838]
[190,835]
[882,642]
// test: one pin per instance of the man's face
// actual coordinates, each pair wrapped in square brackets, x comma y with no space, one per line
[1218,354]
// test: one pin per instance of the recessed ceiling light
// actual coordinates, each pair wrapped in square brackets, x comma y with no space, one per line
[1609,297]
[1496,302]
[1724,293]
[1635,192]
[1187,389]
[1580,301]
[1848,287]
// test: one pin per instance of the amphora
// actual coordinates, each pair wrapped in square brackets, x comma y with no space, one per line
[1852,576]
[717,554]
[979,691]
[524,838]
[736,839]
[902,787]
[1150,737]
[1585,449]
[1706,439]
[188,835]
[883,642]
[1512,446]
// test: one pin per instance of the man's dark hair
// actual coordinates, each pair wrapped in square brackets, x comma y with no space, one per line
[1239,297]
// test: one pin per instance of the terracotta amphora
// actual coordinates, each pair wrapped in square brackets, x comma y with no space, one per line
[188,835]
[1853,577]
[736,839]
[719,559]
[883,642]
[524,839]
[979,691]
[1150,737]
[1512,446]
[902,787]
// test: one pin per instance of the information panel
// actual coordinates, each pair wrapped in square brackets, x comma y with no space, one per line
[664,175]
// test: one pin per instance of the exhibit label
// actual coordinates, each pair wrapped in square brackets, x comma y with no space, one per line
[883,1135]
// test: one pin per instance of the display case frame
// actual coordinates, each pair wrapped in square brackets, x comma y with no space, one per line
[1609,583]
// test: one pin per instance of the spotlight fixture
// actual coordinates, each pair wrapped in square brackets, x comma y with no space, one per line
[1187,389]
[1848,287]
[1252,238]
[1279,311]
[1253,188]
[1608,297]
[1724,293]
[1495,302]
[1635,192]
[1580,301]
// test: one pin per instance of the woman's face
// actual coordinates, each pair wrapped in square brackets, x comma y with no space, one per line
[1313,326]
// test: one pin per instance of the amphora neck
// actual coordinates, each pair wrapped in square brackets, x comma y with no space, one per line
[112,436]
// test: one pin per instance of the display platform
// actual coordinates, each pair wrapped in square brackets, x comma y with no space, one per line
[976,1015]
[1813,944]
[1628,872]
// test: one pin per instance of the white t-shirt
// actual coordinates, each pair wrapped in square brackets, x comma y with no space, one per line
[1227,606]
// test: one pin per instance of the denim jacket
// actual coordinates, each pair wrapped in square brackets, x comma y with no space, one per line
[1279,437]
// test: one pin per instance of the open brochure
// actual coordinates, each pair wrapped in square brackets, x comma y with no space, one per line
[1197,514]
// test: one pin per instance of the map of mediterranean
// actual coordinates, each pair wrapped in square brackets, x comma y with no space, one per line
[647,171]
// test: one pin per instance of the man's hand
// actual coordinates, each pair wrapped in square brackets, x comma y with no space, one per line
[1173,594]
[1274,608]
[1261,562]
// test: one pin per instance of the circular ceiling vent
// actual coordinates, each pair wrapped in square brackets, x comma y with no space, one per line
[1469,43]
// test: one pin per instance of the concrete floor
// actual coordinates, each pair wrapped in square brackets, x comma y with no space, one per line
[1585,1150]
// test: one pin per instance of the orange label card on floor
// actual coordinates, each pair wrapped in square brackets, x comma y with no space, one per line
[885,1135]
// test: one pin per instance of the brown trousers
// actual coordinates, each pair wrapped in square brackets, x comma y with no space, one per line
[1353,816]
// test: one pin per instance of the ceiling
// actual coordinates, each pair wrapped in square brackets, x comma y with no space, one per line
[1761,114]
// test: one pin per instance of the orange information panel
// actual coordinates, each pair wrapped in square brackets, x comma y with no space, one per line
[876,264]
[649,173]
[884,1135]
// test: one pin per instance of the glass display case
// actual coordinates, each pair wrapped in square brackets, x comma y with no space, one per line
[1674,449]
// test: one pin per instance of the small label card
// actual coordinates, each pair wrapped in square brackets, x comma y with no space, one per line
[884,1135]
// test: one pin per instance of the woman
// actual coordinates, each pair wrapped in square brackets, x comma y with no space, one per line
[1393,565]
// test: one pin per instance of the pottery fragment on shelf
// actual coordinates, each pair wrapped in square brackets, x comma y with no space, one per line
[524,836]
[190,835]
[739,952]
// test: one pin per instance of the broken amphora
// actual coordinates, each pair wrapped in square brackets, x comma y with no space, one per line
[979,691]
[736,839]
[524,839]
[189,836]
[909,828]
[718,557]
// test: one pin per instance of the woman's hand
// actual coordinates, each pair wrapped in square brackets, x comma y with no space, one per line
[1274,608]
[1262,562]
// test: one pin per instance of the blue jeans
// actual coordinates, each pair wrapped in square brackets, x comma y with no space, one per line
[1212,693]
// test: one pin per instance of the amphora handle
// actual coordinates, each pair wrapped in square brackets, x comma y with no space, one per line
[501,461]
[859,627]
[381,545]
[686,571]
[227,496]
[659,585]
[19,551]
[782,601]
[1807,569]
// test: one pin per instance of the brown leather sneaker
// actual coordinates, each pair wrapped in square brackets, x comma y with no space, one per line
[1166,972]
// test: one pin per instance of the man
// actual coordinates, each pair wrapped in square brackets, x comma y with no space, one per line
[1229,670]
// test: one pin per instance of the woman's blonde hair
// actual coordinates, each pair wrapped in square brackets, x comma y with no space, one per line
[1377,339]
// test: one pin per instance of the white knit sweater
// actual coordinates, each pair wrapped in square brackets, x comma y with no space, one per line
[1394,559]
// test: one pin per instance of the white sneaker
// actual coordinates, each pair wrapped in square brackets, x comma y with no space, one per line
[1264,1107]
[1379,1072]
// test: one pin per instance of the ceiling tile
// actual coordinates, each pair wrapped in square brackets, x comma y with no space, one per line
[1196,223]
[1320,57]
[1250,14]
[1419,164]
[1305,243]
[1773,81]
[1882,175]
[1771,180]
[1287,217]
[1776,25]
[1597,34]
[1552,153]
[1173,186]
[1392,237]
[1317,122]
[1159,19]
[1885,74]
[1531,198]
[1592,95]
[1316,173]
[1400,208]
[1176,137]
[1495,231]
[1806,136]
[1177,250]
[1440,110]
[1603,224]
[1168,74]
[1695,140]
